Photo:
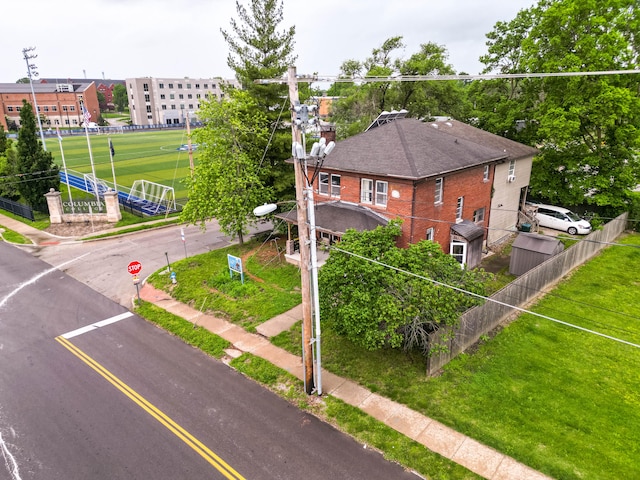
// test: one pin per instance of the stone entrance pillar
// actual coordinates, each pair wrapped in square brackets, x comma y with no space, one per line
[113,207]
[54,202]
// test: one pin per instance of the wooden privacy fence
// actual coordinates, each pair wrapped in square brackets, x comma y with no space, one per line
[520,293]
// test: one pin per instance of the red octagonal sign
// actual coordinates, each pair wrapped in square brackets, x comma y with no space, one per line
[134,267]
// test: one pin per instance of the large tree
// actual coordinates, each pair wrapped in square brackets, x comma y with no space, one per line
[360,105]
[375,306]
[8,180]
[226,184]
[38,172]
[586,126]
[259,50]
[120,98]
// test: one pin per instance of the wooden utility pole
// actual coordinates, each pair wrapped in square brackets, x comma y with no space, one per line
[303,235]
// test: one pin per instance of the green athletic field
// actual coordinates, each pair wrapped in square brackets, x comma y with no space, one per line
[146,155]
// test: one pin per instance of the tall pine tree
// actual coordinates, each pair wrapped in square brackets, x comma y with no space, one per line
[37,170]
[257,49]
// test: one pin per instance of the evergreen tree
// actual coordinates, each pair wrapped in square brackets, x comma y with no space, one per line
[36,167]
[258,50]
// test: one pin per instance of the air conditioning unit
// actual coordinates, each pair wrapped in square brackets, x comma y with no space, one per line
[511,178]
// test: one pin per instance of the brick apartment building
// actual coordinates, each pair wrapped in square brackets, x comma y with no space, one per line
[103,86]
[58,104]
[154,101]
[438,177]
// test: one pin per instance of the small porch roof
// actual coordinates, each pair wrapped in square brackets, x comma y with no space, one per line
[338,217]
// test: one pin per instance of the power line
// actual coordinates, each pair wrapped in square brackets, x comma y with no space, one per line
[425,78]
[489,299]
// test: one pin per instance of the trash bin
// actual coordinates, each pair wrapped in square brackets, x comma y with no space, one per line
[525,227]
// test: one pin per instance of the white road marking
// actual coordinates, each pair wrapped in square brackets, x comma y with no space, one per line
[93,326]
[34,279]
[9,460]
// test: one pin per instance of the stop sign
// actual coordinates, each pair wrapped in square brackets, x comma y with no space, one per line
[134,267]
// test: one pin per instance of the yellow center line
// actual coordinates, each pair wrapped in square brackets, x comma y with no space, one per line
[172,426]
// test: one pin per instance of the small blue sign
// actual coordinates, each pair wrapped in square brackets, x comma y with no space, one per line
[235,265]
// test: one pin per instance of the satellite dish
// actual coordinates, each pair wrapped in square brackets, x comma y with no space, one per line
[263,210]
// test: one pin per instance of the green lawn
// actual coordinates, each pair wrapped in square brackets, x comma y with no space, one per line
[559,400]
[145,155]
[204,282]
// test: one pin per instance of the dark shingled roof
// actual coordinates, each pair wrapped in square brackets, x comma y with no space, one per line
[338,217]
[513,149]
[467,230]
[410,148]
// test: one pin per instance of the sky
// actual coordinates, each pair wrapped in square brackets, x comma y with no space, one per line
[118,39]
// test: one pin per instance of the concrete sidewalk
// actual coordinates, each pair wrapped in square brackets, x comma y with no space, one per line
[437,437]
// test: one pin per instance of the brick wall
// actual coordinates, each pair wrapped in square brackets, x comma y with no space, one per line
[423,213]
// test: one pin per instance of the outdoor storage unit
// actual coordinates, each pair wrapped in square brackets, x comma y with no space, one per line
[530,250]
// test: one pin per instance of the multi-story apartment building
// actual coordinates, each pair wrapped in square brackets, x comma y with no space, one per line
[58,103]
[155,101]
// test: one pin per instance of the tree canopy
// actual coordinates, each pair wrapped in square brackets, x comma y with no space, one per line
[377,306]
[120,98]
[38,171]
[586,126]
[226,184]
[360,105]
[258,49]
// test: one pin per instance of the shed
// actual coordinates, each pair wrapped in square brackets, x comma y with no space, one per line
[470,235]
[530,250]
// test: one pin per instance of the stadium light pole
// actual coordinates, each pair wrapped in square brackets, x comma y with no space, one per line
[31,72]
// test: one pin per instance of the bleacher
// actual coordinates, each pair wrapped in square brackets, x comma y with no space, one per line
[128,201]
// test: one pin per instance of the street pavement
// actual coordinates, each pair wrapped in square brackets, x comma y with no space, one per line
[436,436]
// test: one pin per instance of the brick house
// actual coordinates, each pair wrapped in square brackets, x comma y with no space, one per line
[438,177]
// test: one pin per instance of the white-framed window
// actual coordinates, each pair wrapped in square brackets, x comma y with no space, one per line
[459,207]
[9,109]
[335,185]
[323,183]
[161,85]
[329,184]
[478,215]
[458,250]
[381,193]
[485,174]
[366,190]
[512,168]
[430,234]
[437,197]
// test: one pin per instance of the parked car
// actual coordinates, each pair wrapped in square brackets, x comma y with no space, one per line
[560,218]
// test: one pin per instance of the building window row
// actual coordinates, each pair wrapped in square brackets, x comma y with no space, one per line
[378,196]
[188,86]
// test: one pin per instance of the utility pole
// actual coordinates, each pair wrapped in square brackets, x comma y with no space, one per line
[31,72]
[303,235]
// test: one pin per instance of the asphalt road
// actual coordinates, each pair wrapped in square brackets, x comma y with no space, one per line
[125,400]
[104,263]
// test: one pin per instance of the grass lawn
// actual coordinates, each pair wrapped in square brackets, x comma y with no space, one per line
[145,155]
[560,400]
[557,399]
[271,286]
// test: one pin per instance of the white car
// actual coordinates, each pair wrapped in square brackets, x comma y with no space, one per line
[560,218]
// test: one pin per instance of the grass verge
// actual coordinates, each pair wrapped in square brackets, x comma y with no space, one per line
[13,237]
[393,445]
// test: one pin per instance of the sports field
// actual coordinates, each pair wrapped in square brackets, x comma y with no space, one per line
[146,155]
